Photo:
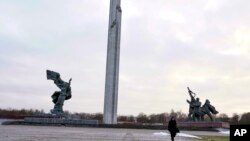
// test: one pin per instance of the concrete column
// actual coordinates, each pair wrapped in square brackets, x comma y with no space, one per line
[112,64]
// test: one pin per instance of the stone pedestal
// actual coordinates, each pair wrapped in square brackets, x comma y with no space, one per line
[199,125]
[50,119]
[45,121]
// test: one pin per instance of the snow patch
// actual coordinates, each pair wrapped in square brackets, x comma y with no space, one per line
[161,134]
[178,134]
[223,131]
[188,135]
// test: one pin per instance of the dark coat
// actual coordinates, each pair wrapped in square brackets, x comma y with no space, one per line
[172,127]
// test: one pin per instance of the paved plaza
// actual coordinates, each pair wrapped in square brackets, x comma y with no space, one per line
[53,133]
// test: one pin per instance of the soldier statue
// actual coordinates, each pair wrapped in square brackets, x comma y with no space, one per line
[191,103]
[197,109]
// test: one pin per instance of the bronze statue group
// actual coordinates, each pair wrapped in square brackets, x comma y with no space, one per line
[196,111]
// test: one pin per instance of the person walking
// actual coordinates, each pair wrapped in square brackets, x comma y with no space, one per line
[172,128]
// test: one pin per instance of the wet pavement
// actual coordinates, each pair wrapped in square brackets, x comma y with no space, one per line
[53,133]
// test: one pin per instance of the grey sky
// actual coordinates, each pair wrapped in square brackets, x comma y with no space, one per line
[165,46]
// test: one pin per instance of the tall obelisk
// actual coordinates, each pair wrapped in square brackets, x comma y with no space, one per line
[112,65]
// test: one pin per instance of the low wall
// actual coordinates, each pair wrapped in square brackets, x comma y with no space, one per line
[203,124]
[32,120]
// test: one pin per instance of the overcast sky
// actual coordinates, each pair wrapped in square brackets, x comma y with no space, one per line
[166,45]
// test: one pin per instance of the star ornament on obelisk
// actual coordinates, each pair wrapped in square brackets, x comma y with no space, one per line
[112,64]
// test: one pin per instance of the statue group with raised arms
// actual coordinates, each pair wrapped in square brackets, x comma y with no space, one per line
[198,112]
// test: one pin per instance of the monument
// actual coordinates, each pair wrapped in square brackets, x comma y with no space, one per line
[112,65]
[59,97]
[196,111]
[57,116]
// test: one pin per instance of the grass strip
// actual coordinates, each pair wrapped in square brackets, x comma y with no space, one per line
[214,138]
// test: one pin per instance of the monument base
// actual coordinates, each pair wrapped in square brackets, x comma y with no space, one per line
[199,125]
[52,119]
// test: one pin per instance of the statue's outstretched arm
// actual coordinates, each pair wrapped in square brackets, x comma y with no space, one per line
[70,81]
[191,93]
